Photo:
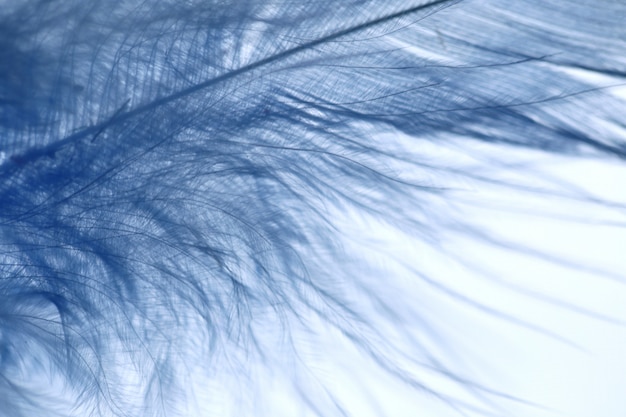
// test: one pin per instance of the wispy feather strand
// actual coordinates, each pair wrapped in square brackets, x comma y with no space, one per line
[190,193]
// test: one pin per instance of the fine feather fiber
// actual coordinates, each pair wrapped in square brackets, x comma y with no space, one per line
[309,208]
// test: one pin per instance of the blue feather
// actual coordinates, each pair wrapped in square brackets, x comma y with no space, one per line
[235,207]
